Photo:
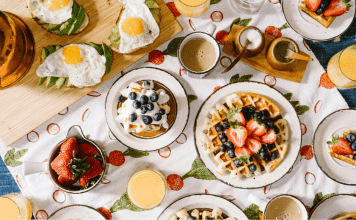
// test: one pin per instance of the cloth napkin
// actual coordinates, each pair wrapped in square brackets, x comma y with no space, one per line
[313,99]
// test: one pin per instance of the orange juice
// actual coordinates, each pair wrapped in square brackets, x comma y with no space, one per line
[342,68]
[192,8]
[15,206]
[147,188]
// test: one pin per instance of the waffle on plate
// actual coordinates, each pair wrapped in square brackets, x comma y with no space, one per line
[204,214]
[351,215]
[344,147]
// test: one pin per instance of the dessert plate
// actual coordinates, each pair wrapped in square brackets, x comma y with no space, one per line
[334,206]
[288,113]
[203,201]
[77,212]
[309,28]
[182,109]
[335,169]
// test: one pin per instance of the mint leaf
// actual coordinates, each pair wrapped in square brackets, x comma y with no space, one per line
[214,1]
[301,109]
[329,143]
[245,78]
[192,98]
[124,203]
[245,22]
[288,96]
[135,153]
[252,211]
[11,157]
[172,47]
[198,171]
[243,159]
[230,113]
[235,78]
[294,103]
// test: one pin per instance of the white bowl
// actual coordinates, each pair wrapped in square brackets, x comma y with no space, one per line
[333,206]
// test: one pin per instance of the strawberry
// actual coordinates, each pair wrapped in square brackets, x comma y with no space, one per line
[255,129]
[337,8]
[256,138]
[60,165]
[313,5]
[239,117]
[69,146]
[94,170]
[83,181]
[88,149]
[237,135]
[116,158]
[175,182]
[270,137]
[66,182]
[243,152]
[340,146]
[253,145]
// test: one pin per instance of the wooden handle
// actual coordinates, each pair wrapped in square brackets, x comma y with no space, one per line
[236,60]
[297,56]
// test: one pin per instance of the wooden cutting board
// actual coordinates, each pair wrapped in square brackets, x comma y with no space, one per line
[25,106]
[260,63]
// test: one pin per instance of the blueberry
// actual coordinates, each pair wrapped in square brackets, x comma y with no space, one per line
[265,113]
[263,118]
[274,155]
[223,148]
[208,218]
[162,111]
[237,163]
[229,144]
[351,137]
[147,119]
[150,106]
[121,98]
[154,97]
[319,11]
[226,126]
[144,100]
[350,219]
[231,153]
[276,129]
[224,140]
[136,104]
[132,95]
[219,128]
[143,110]
[244,110]
[146,83]
[157,117]
[271,146]
[270,123]
[264,147]
[353,146]
[247,116]
[251,109]
[267,157]
[192,218]
[252,167]
[354,156]
[256,114]
[222,135]
[262,154]
[133,117]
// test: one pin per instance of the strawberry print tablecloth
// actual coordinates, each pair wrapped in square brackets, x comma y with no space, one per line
[314,98]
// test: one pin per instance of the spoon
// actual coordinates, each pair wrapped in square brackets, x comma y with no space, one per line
[237,59]
[290,54]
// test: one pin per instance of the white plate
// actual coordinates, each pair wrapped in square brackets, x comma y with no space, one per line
[203,201]
[288,113]
[169,81]
[309,28]
[77,212]
[334,206]
[335,123]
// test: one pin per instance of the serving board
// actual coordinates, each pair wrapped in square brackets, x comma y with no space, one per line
[260,63]
[26,105]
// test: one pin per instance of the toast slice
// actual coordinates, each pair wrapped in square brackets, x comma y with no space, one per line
[325,21]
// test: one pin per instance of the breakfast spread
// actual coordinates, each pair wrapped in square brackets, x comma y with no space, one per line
[343,147]
[348,216]
[59,17]
[83,163]
[246,135]
[79,65]
[204,214]
[325,11]
[146,109]
[136,27]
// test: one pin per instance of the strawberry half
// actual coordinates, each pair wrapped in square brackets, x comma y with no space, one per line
[94,170]
[69,146]
[337,8]
[243,152]
[88,149]
[341,146]
[253,145]
[239,117]
[237,135]
[60,165]
[255,129]
[270,137]
[66,182]
[313,5]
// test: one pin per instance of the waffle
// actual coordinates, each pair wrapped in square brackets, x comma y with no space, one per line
[347,216]
[216,213]
[346,158]
[325,21]
[211,141]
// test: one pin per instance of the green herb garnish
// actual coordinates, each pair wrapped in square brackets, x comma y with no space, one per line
[230,113]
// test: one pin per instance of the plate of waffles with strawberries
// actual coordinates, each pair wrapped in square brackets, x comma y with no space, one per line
[319,20]
[247,134]
[335,146]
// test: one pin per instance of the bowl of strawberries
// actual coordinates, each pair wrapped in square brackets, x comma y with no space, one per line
[75,165]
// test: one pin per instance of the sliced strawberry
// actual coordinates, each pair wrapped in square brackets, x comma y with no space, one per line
[88,149]
[243,152]
[66,182]
[256,138]
[94,170]
[60,165]
[313,5]
[337,8]
[237,135]
[83,181]
[240,118]
[270,137]
[342,147]
[255,129]
[253,145]
[69,146]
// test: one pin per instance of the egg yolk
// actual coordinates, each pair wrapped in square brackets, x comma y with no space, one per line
[72,55]
[132,26]
[57,4]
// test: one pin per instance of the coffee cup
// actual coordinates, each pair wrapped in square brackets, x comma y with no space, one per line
[199,53]
[282,206]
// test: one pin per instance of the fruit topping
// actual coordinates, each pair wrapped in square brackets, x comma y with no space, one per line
[132,95]
[162,111]
[144,110]
[223,148]
[226,125]
[154,97]
[147,119]
[88,149]
[351,137]
[133,117]
[144,99]
[323,6]
[237,163]
[95,168]
[69,146]
[274,155]
[157,117]
[337,8]
[229,144]
[313,5]
[270,137]
[243,154]
[255,128]
[231,153]
[150,106]
[252,167]
[121,98]
[340,146]
[136,104]
[146,83]
[237,135]
[253,145]
[353,146]
[270,123]
[219,128]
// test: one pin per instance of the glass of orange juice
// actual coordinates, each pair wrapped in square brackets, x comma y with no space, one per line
[192,8]
[342,68]
[147,188]
[15,206]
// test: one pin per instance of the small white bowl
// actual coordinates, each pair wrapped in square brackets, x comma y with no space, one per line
[334,206]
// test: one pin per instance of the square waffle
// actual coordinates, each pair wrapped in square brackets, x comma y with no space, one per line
[346,158]
[325,21]
[203,214]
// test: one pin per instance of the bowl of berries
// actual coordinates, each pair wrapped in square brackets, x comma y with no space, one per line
[75,165]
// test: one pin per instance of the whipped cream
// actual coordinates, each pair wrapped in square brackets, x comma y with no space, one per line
[127,108]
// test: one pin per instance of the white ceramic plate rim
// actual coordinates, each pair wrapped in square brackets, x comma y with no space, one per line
[288,113]
[336,28]
[327,199]
[176,128]
[76,215]
[203,201]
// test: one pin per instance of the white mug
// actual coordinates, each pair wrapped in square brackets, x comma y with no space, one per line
[265,206]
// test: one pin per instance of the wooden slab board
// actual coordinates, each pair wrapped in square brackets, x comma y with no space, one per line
[259,62]
[26,105]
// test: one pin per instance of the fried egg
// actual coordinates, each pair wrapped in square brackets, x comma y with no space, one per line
[137,26]
[51,11]
[81,63]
